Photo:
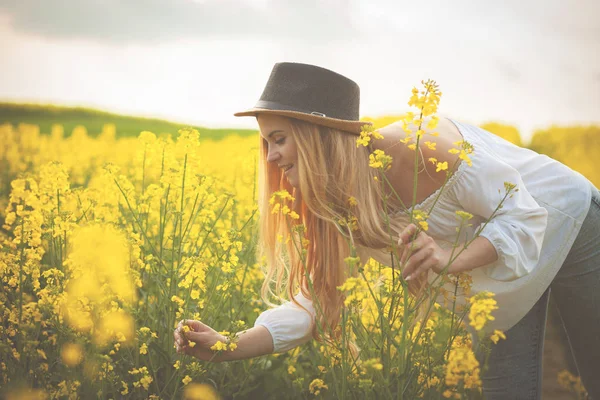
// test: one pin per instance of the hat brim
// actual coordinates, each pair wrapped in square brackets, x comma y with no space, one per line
[341,124]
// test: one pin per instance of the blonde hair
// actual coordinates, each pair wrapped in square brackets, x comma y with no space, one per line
[331,168]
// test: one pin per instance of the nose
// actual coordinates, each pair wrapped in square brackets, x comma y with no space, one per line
[273,155]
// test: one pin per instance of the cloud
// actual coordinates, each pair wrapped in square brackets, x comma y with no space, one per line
[148,21]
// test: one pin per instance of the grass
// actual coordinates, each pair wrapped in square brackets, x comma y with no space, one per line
[69,117]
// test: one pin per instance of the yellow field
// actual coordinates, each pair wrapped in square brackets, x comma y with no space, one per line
[107,242]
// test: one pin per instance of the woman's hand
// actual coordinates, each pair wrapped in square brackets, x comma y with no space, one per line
[202,336]
[421,253]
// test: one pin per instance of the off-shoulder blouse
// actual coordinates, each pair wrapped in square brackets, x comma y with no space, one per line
[532,233]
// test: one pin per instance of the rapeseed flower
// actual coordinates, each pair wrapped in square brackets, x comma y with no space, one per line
[71,354]
[497,335]
[482,305]
[316,386]
[199,391]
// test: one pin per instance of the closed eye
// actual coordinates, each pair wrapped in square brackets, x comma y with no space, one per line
[281,141]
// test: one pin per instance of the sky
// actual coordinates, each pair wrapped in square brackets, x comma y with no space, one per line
[528,63]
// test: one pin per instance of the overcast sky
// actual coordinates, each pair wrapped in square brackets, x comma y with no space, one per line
[529,63]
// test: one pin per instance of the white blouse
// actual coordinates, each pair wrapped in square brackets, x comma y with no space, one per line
[532,233]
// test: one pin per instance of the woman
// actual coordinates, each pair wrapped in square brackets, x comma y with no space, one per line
[546,235]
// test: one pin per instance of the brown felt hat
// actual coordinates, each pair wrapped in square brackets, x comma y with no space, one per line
[310,93]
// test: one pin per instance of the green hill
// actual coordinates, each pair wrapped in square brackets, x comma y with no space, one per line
[69,117]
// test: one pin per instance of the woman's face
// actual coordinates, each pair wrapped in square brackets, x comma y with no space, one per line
[275,130]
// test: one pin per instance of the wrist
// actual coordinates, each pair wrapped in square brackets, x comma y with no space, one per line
[454,261]
[445,264]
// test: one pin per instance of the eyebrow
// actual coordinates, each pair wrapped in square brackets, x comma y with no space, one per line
[272,133]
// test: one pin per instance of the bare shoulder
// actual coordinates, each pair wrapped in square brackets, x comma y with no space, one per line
[437,148]
[436,142]
[435,158]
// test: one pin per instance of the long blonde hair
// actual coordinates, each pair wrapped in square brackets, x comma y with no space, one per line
[331,169]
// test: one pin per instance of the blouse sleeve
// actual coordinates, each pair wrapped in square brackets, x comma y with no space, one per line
[517,229]
[289,325]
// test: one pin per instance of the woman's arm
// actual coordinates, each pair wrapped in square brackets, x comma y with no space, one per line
[253,342]
[275,330]
[422,253]
[510,237]
[479,253]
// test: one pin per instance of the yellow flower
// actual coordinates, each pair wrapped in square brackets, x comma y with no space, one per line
[186,380]
[144,348]
[291,369]
[482,305]
[219,346]
[373,363]
[433,122]
[316,385]
[199,391]
[352,201]
[350,261]
[420,215]
[572,383]
[71,354]
[367,132]
[351,222]
[42,354]
[509,187]
[363,141]
[497,335]
[464,215]
[430,145]
[462,366]
[125,388]
[146,381]
[441,166]
[378,159]
[426,100]
[466,148]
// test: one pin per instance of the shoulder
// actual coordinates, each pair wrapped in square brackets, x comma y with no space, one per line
[435,144]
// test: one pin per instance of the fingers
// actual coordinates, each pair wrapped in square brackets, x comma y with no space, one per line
[194,325]
[189,330]
[418,261]
[181,341]
[409,248]
[416,251]
[407,234]
[193,336]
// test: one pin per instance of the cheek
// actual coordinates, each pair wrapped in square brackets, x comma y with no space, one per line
[294,152]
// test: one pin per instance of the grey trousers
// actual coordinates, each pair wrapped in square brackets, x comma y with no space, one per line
[515,364]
